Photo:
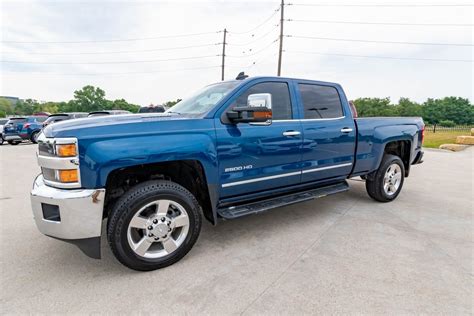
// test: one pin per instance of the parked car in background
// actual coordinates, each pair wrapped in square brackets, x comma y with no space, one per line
[3,121]
[18,129]
[152,109]
[63,117]
[108,112]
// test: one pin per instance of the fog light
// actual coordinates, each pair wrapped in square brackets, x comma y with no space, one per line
[66,150]
[67,176]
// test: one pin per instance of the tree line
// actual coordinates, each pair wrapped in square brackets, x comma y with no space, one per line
[448,111]
[87,99]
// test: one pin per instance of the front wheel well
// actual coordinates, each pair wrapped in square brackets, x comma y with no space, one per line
[187,173]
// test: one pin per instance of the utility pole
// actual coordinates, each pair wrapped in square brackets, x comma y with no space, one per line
[280,51]
[223,54]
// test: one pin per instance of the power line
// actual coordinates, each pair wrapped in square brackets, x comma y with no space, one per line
[378,23]
[256,52]
[383,57]
[110,73]
[105,62]
[380,42]
[259,25]
[111,40]
[117,52]
[379,5]
[256,39]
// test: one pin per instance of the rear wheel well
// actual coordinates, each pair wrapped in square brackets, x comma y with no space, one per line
[187,173]
[402,149]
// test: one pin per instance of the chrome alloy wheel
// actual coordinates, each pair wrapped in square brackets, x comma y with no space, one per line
[158,229]
[392,179]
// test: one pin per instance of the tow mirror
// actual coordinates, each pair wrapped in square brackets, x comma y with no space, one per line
[258,110]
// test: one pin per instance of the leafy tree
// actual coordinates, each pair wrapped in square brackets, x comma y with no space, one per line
[5,107]
[375,107]
[406,107]
[455,109]
[170,104]
[121,104]
[89,99]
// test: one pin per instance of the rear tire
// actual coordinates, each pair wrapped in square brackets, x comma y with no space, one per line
[34,137]
[153,225]
[385,184]
[1,140]
[13,143]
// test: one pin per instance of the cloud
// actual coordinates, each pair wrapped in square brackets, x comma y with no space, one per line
[166,80]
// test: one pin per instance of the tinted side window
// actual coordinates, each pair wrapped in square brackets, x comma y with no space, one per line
[281,103]
[320,101]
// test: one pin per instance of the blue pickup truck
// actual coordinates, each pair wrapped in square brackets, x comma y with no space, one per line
[232,149]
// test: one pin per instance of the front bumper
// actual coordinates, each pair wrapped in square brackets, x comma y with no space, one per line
[74,216]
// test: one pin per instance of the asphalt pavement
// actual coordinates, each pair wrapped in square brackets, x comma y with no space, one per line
[343,254]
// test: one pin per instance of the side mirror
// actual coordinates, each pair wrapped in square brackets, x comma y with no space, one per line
[258,110]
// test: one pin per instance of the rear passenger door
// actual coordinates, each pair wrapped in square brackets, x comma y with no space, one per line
[328,132]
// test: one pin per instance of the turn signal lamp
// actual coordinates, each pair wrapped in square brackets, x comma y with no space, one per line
[67,176]
[66,150]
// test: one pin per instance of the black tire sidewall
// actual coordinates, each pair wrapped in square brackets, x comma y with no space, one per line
[125,210]
[375,186]
[33,136]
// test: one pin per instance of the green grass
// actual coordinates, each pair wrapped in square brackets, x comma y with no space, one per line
[433,140]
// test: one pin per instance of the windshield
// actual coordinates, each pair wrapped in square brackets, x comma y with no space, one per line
[203,100]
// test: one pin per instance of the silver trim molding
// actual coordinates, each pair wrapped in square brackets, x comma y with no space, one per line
[230,184]
[327,168]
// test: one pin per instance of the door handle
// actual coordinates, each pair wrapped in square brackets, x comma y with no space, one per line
[346,130]
[291,133]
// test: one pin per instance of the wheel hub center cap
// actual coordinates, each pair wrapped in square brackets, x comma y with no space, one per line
[160,230]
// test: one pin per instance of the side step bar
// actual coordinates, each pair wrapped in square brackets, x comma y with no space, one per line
[232,212]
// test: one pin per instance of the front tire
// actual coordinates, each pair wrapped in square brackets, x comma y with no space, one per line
[13,143]
[1,140]
[387,182]
[153,225]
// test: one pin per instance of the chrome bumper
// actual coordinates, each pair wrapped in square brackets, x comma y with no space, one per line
[70,215]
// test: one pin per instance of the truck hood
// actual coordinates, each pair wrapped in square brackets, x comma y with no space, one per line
[107,124]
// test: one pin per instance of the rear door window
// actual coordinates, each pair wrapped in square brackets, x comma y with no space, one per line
[320,102]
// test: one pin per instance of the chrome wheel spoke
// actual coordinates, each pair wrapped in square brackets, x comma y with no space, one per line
[181,220]
[162,207]
[170,245]
[138,222]
[142,246]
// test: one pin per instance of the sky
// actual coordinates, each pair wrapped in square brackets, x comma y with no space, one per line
[155,51]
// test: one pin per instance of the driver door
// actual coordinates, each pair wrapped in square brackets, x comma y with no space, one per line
[260,156]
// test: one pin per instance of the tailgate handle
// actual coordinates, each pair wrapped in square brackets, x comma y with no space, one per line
[291,133]
[346,130]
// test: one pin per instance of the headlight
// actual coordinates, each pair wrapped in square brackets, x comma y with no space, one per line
[59,162]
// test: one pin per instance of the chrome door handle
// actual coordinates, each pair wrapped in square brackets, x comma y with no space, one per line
[291,133]
[346,130]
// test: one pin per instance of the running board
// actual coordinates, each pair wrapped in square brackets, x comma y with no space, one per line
[232,212]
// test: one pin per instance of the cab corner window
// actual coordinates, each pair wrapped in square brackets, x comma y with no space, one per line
[320,102]
[281,102]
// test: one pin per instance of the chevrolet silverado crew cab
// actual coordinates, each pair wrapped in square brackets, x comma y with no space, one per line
[232,149]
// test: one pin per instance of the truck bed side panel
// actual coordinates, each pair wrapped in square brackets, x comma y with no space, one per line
[375,133]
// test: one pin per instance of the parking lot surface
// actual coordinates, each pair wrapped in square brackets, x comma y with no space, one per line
[340,254]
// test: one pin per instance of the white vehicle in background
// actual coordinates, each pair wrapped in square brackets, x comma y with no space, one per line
[3,121]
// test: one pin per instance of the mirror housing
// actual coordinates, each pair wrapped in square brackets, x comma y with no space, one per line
[258,110]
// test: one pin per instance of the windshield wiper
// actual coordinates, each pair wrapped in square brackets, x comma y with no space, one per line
[173,112]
